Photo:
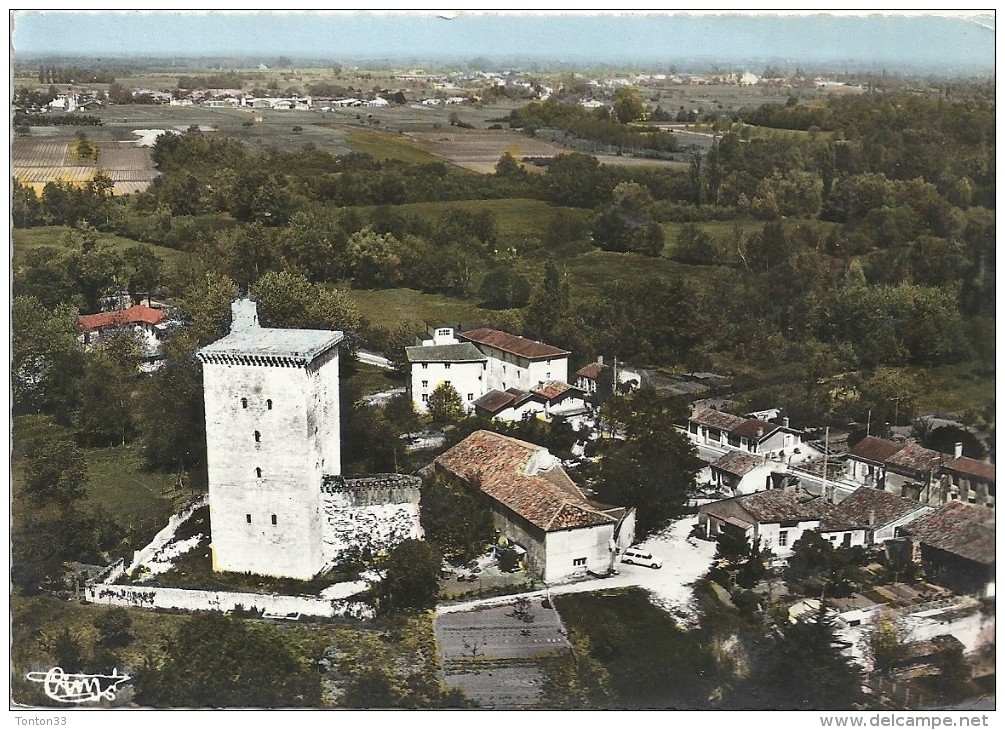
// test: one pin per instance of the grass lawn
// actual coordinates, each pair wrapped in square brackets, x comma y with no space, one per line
[369,379]
[390,307]
[596,270]
[120,486]
[26,239]
[963,390]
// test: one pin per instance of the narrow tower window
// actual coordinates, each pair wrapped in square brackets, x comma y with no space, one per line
[258,437]
[273,519]
[268,404]
[244,402]
[258,472]
[248,518]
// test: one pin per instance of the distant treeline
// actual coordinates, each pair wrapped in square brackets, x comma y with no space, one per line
[73,75]
[24,119]
[227,80]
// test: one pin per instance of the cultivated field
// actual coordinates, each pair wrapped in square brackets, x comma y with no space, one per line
[41,160]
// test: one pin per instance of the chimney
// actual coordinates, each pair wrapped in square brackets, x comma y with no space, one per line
[872,517]
[600,359]
[243,314]
[958,449]
[785,421]
[760,432]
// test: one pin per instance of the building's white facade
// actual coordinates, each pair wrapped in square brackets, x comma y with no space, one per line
[272,434]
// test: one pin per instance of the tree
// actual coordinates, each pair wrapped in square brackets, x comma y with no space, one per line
[445,404]
[53,468]
[171,419]
[885,643]
[220,661]
[46,361]
[505,288]
[654,468]
[411,577]
[550,304]
[629,106]
[290,300]
[375,258]
[454,518]
[68,652]
[146,269]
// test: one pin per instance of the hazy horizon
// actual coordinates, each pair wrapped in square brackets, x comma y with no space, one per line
[923,42]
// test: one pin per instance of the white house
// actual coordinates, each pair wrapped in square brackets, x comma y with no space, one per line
[865,463]
[551,400]
[869,517]
[737,472]
[461,365]
[537,506]
[723,431]
[517,362]
[146,324]
[589,377]
[776,518]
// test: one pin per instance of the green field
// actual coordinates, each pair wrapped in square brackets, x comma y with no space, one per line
[384,146]
[26,239]
[391,307]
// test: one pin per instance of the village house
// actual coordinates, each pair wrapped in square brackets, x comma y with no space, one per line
[775,519]
[718,431]
[538,507]
[737,472]
[480,361]
[955,545]
[865,463]
[913,471]
[969,480]
[590,376]
[147,325]
[869,517]
[549,401]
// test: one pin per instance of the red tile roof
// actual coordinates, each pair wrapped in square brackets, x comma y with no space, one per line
[513,344]
[958,528]
[865,504]
[495,400]
[591,371]
[498,466]
[753,428]
[737,463]
[136,314]
[875,449]
[553,389]
[717,419]
[778,505]
[972,468]
[916,459]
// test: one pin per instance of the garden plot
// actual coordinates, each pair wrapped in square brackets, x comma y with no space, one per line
[496,654]
[38,161]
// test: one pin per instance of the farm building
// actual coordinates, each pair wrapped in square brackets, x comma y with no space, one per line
[147,325]
[537,506]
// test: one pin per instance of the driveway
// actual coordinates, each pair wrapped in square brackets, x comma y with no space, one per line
[685,559]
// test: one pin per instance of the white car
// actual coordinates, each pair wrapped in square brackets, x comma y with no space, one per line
[635,556]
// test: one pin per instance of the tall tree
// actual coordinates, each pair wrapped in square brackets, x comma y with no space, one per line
[411,577]
[46,361]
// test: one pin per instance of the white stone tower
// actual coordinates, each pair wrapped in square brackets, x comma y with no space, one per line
[272,435]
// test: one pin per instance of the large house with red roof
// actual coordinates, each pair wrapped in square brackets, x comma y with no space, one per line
[538,507]
[502,375]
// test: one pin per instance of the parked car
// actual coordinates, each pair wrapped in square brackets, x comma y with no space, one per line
[635,556]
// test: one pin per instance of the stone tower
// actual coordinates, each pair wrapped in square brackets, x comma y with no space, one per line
[272,435]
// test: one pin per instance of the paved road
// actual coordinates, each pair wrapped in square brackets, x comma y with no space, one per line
[684,561]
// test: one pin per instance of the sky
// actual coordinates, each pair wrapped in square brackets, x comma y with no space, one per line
[902,39]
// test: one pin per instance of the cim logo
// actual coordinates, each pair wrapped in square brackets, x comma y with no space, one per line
[75,689]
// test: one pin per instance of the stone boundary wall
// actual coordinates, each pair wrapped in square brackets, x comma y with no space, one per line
[374,489]
[224,601]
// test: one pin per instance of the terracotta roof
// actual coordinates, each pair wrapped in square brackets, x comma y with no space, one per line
[866,503]
[875,449]
[916,458]
[737,462]
[136,314]
[716,419]
[752,428]
[499,466]
[592,371]
[553,389]
[958,528]
[462,352]
[778,505]
[972,468]
[513,344]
